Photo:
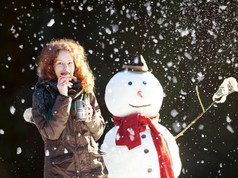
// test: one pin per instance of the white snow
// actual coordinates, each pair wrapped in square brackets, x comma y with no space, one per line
[115,28]
[141,161]
[51,23]
[1,131]
[12,110]
[89,8]
[201,127]
[222,7]
[184,125]
[170,64]
[229,128]
[136,60]
[47,153]
[200,76]
[148,8]
[160,21]
[157,51]
[212,33]
[155,40]
[80,8]
[175,80]
[65,151]
[177,126]
[137,161]
[19,150]
[187,55]
[108,31]
[228,119]
[174,113]
[73,21]
[117,137]
[183,32]
[90,51]
[132,133]
[183,92]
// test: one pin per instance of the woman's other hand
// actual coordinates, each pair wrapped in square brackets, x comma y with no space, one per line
[89,113]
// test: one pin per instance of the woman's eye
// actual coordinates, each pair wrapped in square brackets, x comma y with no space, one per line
[144,82]
[130,83]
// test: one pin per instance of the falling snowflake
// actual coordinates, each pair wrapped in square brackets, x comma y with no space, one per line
[12,110]
[89,8]
[174,113]
[222,7]
[117,137]
[47,153]
[65,151]
[177,126]
[19,150]
[108,31]
[131,134]
[228,119]
[183,32]
[230,129]
[1,131]
[187,55]
[200,76]
[51,23]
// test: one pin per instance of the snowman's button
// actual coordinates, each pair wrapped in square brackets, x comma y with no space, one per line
[143,136]
[149,170]
[146,150]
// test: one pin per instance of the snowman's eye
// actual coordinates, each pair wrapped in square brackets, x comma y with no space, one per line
[130,83]
[144,82]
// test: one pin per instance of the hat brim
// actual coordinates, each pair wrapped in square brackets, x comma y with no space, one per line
[136,68]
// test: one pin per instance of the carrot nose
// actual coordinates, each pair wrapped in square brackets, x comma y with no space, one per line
[139,93]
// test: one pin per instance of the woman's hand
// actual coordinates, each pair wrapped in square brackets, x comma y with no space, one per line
[63,84]
[88,113]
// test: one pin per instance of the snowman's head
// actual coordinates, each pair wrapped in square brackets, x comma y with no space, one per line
[133,92]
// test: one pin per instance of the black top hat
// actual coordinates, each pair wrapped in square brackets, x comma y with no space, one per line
[135,63]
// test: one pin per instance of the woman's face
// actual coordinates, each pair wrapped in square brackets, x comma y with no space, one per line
[64,64]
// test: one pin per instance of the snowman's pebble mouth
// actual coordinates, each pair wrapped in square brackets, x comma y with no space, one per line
[141,106]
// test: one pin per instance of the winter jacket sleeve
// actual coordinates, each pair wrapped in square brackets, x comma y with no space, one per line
[53,128]
[97,125]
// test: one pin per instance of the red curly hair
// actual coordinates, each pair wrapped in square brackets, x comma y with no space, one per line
[49,54]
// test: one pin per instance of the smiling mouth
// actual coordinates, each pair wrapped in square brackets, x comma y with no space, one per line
[141,106]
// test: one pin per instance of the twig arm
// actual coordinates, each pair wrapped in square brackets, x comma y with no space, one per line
[194,121]
[215,100]
[200,101]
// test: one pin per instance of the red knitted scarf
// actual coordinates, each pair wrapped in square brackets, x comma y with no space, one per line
[128,135]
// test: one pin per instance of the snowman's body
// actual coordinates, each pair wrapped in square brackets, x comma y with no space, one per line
[129,93]
[138,162]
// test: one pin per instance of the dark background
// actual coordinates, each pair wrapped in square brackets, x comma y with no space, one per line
[186,43]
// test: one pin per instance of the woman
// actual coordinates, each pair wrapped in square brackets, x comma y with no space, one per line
[70,144]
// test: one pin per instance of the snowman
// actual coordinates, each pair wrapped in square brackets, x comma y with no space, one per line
[138,146]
